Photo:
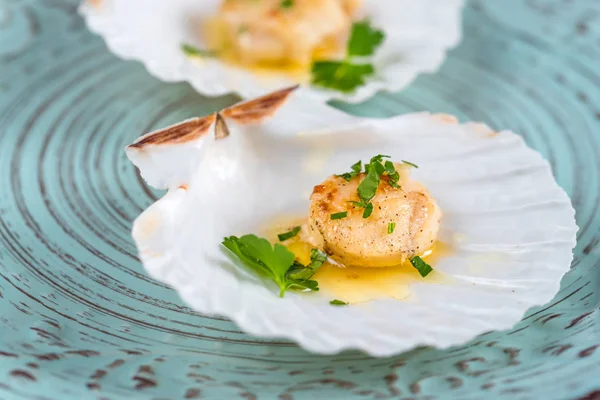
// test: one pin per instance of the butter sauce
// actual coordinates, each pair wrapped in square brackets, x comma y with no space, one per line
[217,39]
[357,285]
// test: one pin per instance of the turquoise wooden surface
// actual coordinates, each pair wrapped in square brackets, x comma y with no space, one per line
[80,319]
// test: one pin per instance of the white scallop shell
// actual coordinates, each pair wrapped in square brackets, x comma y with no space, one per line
[418,34]
[511,225]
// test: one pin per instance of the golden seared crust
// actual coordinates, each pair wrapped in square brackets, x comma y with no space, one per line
[365,242]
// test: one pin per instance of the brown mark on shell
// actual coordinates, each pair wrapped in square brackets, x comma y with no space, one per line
[182,132]
[258,109]
[246,112]
[446,118]
[221,129]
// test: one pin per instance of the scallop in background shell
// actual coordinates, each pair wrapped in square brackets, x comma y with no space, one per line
[418,35]
[511,226]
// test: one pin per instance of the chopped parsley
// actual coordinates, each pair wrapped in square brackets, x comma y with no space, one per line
[368,210]
[338,303]
[288,235]
[346,75]
[392,174]
[421,266]
[340,75]
[300,272]
[339,215]
[364,39]
[391,227]
[409,163]
[275,262]
[378,158]
[367,188]
[356,169]
[193,51]
[285,4]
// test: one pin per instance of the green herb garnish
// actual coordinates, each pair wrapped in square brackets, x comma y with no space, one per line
[300,272]
[368,210]
[368,187]
[340,75]
[346,75]
[196,52]
[338,303]
[289,235]
[364,39]
[378,158]
[392,174]
[391,227]
[272,261]
[286,4]
[356,169]
[421,266]
[339,215]
[409,163]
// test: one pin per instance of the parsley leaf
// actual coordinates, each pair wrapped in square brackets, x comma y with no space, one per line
[340,75]
[378,158]
[421,266]
[368,210]
[409,163]
[288,235]
[391,227]
[258,254]
[356,168]
[347,75]
[300,272]
[273,262]
[364,39]
[308,284]
[286,4]
[393,174]
[196,52]
[338,303]
[339,215]
[368,187]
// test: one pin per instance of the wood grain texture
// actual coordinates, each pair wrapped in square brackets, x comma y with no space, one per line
[81,319]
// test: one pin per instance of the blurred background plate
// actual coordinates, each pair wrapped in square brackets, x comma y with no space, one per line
[416,42]
[79,317]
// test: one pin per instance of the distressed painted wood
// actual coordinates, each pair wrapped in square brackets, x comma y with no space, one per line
[79,318]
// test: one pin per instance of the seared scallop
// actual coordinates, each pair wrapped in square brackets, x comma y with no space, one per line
[276,31]
[367,242]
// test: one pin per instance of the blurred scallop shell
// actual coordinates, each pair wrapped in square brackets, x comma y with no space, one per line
[512,227]
[418,35]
